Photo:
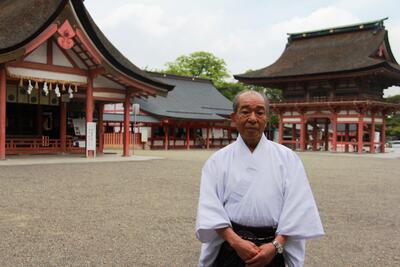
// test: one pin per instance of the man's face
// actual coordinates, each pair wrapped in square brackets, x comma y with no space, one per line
[250,118]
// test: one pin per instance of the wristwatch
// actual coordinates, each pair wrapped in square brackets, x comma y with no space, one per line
[278,246]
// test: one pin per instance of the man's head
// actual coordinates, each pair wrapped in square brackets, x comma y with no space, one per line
[250,114]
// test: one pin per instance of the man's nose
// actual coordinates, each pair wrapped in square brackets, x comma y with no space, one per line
[253,116]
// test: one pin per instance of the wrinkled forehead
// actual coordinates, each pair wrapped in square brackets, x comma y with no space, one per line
[251,99]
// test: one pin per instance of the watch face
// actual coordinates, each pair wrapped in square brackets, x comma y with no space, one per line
[278,246]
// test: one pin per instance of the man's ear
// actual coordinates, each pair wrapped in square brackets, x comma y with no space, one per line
[233,119]
[233,116]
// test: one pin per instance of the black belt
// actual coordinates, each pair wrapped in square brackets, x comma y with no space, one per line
[260,235]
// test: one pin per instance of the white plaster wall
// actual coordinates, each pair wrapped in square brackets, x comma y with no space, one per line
[59,58]
[103,82]
[39,55]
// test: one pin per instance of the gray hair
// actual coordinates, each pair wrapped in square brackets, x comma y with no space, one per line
[235,104]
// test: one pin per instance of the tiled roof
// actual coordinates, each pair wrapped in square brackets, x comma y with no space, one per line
[335,50]
[192,98]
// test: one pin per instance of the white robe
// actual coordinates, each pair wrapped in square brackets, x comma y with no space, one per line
[268,187]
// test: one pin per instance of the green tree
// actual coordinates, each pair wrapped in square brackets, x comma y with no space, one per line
[200,64]
[393,121]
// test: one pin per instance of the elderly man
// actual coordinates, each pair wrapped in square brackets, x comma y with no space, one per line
[256,207]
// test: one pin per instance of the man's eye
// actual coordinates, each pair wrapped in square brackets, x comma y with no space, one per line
[260,113]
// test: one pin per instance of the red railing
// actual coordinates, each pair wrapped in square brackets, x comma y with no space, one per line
[117,139]
[326,99]
[158,142]
[39,145]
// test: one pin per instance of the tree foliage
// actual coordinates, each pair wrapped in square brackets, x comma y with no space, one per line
[200,64]
[393,121]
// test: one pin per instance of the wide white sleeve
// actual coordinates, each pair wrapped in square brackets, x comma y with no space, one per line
[299,217]
[211,214]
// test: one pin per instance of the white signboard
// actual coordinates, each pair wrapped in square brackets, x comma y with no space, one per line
[79,126]
[136,108]
[144,132]
[91,136]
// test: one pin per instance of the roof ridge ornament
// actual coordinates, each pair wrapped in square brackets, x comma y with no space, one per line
[67,34]
[376,24]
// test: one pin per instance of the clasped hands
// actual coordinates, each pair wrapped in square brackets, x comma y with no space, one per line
[253,255]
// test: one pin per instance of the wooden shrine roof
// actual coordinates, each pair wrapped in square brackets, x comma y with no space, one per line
[21,21]
[345,49]
[192,99]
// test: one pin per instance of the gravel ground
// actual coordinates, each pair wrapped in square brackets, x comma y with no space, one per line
[143,213]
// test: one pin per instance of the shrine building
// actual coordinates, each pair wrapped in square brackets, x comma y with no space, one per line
[193,115]
[332,82]
[57,71]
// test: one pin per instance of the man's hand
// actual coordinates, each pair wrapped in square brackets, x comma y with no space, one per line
[245,249]
[264,257]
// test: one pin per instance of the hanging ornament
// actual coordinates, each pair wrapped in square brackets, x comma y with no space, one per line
[37,85]
[57,91]
[45,88]
[76,88]
[50,87]
[63,87]
[30,87]
[70,92]
[21,83]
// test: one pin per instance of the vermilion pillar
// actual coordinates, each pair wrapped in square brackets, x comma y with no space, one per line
[334,132]
[89,106]
[187,137]
[127,109]
[372,135]
[303,134]
[360,133]
[3,118]
[208,137]
[166,139]
[280,139]
[326,131]
[63,127]
[383,133]
[101,128]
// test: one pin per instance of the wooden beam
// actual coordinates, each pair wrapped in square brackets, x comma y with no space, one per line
[89,47]
[43,37]
[45,67]
[49,52]
[127,109]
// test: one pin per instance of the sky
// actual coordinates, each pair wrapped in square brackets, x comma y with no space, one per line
[247,34]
